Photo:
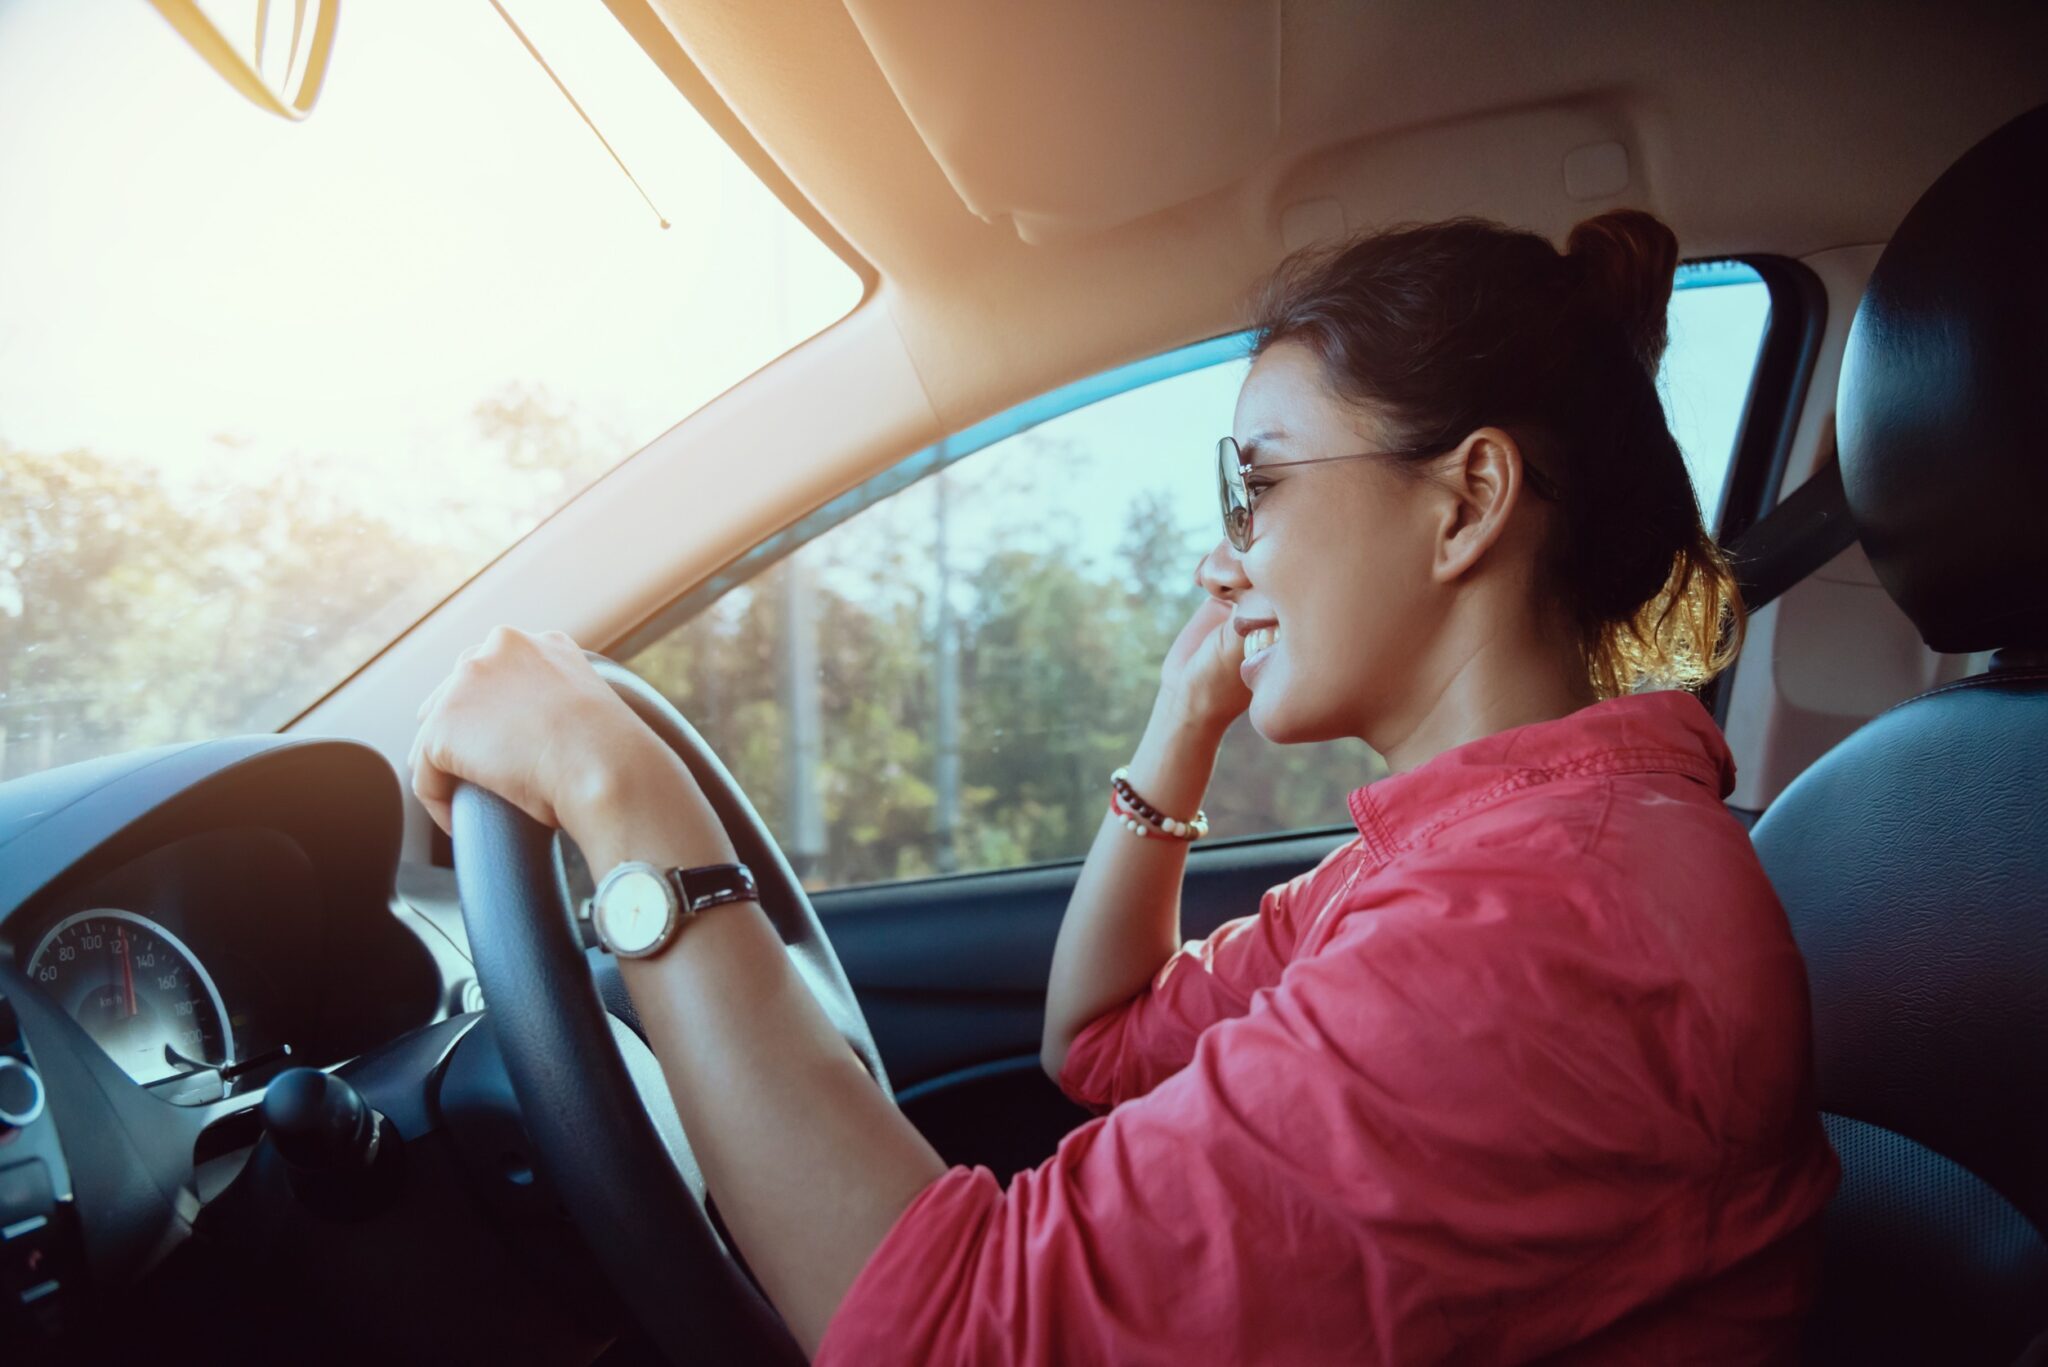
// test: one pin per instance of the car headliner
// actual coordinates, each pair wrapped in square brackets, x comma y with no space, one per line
[1753,127]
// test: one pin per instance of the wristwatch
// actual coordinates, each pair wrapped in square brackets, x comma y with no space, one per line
[639,908]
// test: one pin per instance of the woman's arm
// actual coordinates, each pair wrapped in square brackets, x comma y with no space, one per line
[811,1163]
[1123,920]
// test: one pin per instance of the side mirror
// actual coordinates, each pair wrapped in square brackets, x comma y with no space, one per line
[279,67]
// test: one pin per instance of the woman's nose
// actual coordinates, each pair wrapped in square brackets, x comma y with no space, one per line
[1221,574]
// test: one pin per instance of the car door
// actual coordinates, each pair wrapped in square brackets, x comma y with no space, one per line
[925,686]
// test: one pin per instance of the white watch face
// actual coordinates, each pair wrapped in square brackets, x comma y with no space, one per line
[635,909]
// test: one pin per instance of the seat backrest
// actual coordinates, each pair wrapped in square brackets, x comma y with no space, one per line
[1913,858]
[1913,862]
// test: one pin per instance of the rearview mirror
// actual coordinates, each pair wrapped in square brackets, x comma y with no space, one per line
[278,66]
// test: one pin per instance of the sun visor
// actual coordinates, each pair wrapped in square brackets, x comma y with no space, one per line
[1071,116]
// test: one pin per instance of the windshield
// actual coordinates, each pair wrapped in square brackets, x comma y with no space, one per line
[270,391]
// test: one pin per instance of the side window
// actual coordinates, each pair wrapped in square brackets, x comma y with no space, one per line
[942,681]
[1718,315]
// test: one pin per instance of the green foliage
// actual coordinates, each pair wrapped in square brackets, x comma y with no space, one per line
[135,611]
[139,610]
[1058,664]
[132,614]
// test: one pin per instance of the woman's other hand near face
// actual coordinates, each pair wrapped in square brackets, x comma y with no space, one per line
[1199,678]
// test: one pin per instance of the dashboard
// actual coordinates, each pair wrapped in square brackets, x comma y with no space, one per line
[207,964]
[177,927]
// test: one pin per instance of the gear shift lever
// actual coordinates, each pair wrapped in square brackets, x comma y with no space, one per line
[339,1154]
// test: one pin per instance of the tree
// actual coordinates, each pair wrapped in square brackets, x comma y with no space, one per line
[1059,661]
[135,611]
[132,616]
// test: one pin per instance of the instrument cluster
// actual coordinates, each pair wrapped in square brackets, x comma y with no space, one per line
[200,967]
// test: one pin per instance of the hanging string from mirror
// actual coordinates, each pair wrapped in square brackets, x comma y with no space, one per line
[527,43]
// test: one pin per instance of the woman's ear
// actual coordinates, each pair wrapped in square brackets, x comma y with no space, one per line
[1484,480]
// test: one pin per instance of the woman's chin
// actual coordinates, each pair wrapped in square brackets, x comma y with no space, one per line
[1282,720]
[1268,715]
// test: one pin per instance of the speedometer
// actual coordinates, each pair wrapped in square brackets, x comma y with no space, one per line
[137,991]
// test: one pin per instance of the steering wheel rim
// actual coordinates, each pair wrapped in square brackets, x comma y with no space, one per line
[622,1184]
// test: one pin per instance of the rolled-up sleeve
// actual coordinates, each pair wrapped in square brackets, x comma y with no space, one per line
[1130,1049]
[1367,1165]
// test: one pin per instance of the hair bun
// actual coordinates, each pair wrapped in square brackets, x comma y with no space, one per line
[1628,260]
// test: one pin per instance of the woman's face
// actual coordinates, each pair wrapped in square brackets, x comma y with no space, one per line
[1339,564]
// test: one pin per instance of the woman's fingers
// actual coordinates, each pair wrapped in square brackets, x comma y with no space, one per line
[427,717]
[440,690]
[435,790]
[1227,644]
[433,697]
[433,787]
[526,717]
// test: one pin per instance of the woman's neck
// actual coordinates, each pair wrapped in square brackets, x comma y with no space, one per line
[1509,676]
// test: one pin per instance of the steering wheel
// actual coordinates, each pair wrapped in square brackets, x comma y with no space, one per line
[601,1120]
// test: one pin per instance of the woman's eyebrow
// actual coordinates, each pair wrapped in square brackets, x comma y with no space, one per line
[1253,445]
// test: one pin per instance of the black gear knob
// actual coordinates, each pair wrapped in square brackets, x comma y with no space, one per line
[340,1157]
[319,1123]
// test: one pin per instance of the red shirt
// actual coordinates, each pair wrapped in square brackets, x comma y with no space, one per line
[1523,1070]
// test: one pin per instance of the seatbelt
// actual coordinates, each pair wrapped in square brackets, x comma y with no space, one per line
[1808,528]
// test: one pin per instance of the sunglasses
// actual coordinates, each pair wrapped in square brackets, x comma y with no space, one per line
[1233,473]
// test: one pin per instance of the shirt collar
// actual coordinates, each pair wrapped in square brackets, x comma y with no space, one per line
[1667,731]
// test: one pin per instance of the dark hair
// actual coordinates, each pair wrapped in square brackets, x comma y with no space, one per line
[1445,328]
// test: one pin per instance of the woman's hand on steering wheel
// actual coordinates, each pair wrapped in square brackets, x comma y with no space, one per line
[526,717]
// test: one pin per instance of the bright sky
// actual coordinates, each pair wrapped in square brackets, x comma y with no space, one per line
[178,268]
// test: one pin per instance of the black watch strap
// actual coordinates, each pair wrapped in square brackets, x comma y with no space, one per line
[712,885]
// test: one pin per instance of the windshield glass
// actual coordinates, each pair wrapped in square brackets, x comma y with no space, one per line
[270,391]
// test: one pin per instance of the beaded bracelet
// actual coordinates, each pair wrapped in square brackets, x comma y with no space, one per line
[1148,824]
[1138,825]
[1127,821]
[1142,818]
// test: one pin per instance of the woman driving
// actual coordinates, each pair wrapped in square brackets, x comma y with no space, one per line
[1522,1071]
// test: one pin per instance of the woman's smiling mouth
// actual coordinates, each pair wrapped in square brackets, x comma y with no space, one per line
[1258,644]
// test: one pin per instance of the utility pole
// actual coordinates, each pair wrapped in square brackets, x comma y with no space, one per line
[805,839]
[946,691]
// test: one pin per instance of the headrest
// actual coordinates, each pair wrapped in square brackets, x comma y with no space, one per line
[1942,413]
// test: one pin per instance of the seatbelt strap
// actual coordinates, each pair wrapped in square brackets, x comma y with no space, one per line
[1808,528]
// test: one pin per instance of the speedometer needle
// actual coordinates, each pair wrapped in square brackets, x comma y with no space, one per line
[127,974]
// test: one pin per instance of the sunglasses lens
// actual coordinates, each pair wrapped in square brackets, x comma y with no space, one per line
[1237,525]
[1237,512]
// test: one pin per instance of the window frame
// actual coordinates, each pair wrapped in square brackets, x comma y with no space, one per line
[1786,356]
[1771,412]
[1772,406]
[1778,385]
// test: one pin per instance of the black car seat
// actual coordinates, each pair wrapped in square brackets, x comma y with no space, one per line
[1913,857]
